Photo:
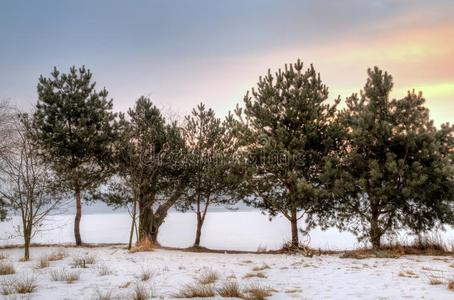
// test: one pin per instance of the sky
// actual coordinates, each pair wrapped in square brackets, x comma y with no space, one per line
[182,52]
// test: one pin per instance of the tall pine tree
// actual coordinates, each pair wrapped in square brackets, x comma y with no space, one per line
[75,130]
[396,171]
[287,132]
[210,164]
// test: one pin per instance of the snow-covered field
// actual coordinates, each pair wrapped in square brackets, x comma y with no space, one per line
[289,276]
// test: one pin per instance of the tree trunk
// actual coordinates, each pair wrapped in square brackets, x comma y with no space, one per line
[198,231]
[27,239]
[375,232]
[294,225]
[77,219]
[131,233]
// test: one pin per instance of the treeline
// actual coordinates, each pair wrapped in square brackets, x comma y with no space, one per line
[375,166]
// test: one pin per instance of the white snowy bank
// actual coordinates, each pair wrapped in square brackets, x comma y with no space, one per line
[289,277]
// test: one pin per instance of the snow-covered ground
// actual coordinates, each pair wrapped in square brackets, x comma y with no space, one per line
[234,230]
[289,276]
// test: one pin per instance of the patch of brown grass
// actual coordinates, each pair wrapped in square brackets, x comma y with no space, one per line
[230,289]
[255,274]
[43,263]
[408,273]
[208,277]
[57,255]
[435,281]
[451,285]
[196,291]
[261,268]
[257,292]
[6,268]
[24,285]
[140,292]
[63,275]
[143,245]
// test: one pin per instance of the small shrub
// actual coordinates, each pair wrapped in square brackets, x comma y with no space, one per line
[57,255]
[255,274]
[451,285]
[230,289]
[209,277]
[63,275]
[16,285]
[261,268]
[195,291]
[6,268]
[257,292]
[43,263]
[103,270]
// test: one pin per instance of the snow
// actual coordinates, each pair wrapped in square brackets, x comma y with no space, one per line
[291,276]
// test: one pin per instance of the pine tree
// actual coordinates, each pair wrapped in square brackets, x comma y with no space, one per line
[148,158]
[209,163]
[396,171]
[287,132]
[75,130]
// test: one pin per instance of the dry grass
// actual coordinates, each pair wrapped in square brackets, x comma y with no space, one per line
[262,249]
[63,275]
[6,268]
[24,285]
[3,255]
[208,277]
[261,268]
[145,275]
[255,274]
[230,289]
[43,263]
[143,245]
[83,262]
[103,270]
[408,273]
[435,281]
[257,292]
[100,295]
[451,285]
[141,293]
[196,291]
[57,255]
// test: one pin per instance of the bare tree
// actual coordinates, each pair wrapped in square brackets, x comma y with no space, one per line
[26,182]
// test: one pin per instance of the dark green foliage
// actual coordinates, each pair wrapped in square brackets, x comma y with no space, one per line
[75,131]
[209,164]
[396,171]
[287,132]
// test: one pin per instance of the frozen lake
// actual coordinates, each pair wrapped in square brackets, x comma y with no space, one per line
[234,230]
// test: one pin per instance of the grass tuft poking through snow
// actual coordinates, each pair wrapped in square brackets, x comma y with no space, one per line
[143,245]
[230,289]
[43,263]
[63,275]
[208,277]
[451,285]
[104,270]
[255,274]
[107,295]
[145,275]
[257,292]
[3,256]
[196,291]
[140,292]
[17,285]
[57,255]
[261,268]
[6,268]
